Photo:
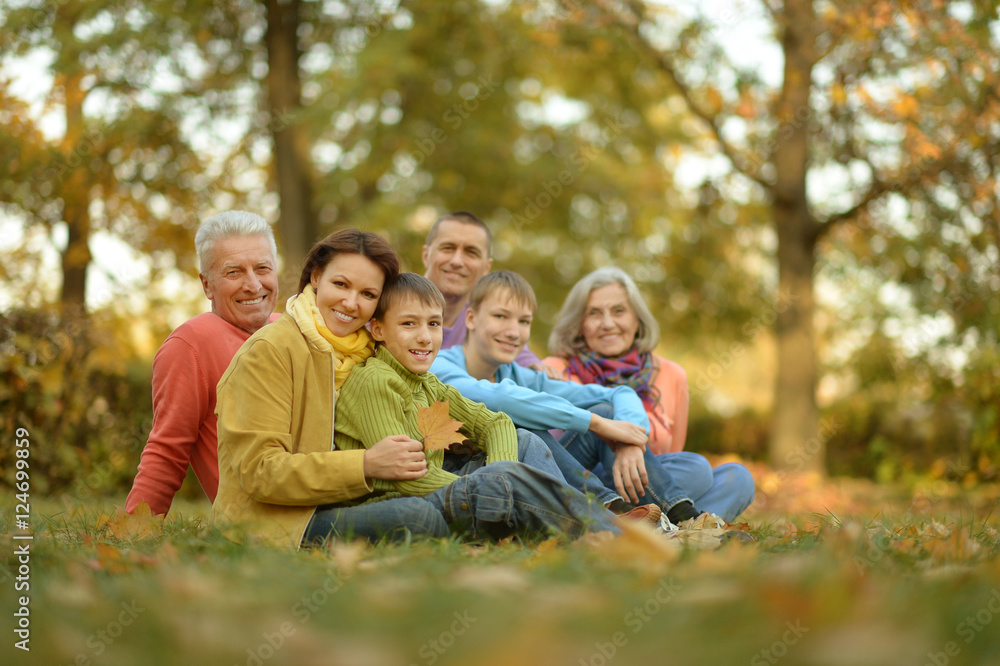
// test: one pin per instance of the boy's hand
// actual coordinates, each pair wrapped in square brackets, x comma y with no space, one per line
[396,458]
[618,431]
[629,472]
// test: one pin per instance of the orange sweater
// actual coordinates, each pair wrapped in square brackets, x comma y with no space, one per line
[672,410]
[186,370]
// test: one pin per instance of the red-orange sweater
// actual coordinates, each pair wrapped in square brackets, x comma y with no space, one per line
[186,370]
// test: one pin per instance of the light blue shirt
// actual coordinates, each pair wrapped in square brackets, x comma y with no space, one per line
[534,401]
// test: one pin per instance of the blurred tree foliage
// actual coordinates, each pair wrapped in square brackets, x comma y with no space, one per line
[132,82]
[577,130]
[81,389]
[882,130]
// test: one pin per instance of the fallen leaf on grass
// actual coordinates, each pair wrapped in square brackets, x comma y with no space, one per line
[109,559]
[704,521]
[708,538]
[548,553]
[934,529]
[493,579]
[638,546]
[438,428]
[115,560]
[957,546]
[784,529]
[347,555]
[140,524]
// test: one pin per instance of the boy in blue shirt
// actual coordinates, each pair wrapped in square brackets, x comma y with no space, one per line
[606,425]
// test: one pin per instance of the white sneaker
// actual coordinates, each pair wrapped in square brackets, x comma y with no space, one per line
[665,526]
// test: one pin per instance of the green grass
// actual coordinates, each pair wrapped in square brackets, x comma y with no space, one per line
[877,583]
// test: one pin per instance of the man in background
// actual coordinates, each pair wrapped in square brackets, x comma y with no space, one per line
[457,252]
[237,259]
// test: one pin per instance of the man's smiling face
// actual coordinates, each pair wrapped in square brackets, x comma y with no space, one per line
[456,258]
[242,281]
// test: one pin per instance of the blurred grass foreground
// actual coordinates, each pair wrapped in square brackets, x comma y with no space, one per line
[842,572]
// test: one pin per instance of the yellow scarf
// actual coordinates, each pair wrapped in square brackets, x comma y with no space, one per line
[347,351]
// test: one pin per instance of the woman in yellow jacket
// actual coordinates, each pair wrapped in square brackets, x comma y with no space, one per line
[280,476]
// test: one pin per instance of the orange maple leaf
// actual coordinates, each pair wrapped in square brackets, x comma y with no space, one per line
[438,428]
[140,524]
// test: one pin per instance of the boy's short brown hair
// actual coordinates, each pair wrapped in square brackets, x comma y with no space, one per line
[517,287]
[408,284]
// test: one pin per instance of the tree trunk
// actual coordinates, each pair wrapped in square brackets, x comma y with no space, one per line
[298,227]
[74,191]
[796,440]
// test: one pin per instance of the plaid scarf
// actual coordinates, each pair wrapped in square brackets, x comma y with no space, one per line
[634,369]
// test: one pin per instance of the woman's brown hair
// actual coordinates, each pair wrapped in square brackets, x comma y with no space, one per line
[350,241]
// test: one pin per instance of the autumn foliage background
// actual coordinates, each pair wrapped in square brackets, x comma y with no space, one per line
[805,191]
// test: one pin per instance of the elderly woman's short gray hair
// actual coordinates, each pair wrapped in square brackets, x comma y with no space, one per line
[567,340]
[233,223]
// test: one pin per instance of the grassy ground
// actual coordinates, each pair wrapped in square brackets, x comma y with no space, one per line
[843,572]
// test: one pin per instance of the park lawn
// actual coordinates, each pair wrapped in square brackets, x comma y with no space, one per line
[842,572]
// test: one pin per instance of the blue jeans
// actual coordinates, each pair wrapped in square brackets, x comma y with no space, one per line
[576,475]
[506,498]
[539,449]
[726,490]
[395,519]
[662,489]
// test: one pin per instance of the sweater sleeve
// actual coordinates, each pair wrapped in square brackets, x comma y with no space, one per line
[518,397]
[627,405]
[374,404]
[181,397]
[255,402]
[494,432]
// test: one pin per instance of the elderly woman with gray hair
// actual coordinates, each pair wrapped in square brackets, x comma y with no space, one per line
[605,334]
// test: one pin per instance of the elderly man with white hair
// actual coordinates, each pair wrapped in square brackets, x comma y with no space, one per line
[237,262]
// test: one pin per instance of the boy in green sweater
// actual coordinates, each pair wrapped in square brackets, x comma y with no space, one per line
[381,398]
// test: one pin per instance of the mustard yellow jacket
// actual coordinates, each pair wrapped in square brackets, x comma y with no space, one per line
[277,461]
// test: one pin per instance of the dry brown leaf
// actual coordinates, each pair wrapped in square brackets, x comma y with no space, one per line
[703,521]
[108,559]
[639,547]
[494,579]
[438,428]
[699,539]
[934,529]
[347,556]
[140,524]
[548,553]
